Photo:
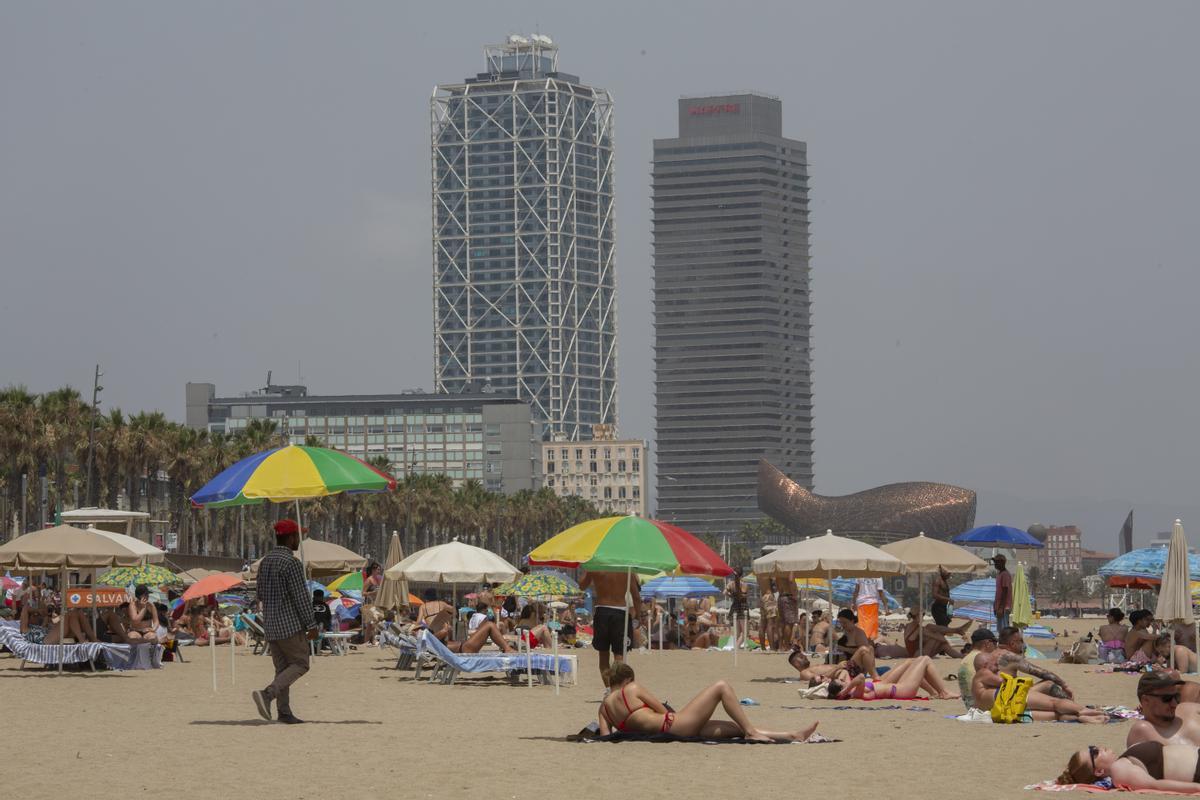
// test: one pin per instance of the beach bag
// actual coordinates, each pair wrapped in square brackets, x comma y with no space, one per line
[1010,699]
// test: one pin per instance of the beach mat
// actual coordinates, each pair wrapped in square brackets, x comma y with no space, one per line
[1050,786]
[855,708]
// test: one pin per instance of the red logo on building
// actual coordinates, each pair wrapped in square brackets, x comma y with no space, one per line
[719,108]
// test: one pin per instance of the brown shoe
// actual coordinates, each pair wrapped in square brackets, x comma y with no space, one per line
[263,702]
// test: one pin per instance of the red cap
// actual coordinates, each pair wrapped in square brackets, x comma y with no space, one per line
[286,527]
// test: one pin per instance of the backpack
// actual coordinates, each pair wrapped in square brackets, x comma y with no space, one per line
[1010,699]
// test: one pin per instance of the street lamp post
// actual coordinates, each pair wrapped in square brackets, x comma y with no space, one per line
[96,389]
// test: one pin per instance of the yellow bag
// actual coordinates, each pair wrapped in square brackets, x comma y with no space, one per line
[1010,699]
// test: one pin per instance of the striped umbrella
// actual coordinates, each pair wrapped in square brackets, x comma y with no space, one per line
[351,580]
[630,544]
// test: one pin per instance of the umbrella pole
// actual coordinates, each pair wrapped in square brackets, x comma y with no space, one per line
[300,525]
[554,638]
[232,653]
[625,648]
[829,582]
[62,616]
[921,619]
[213,647]
[1172,645]
[529,659]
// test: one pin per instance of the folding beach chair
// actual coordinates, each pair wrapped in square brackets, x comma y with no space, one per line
[258,636]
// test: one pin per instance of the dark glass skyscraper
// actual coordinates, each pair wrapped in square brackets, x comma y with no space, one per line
[731,310]
[523,243]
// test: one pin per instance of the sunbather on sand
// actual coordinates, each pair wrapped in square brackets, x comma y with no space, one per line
[475,642]
[1041,707]
[631,708]
[1146,765]
[813,673]
[901,682]
[143,617]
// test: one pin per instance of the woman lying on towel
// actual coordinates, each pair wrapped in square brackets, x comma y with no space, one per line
[631,708]
[1146,765]
[902,682]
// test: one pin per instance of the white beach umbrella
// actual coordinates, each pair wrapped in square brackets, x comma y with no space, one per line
[454,563]
[152,554]
[924,555]
[1175,595]
[828,557]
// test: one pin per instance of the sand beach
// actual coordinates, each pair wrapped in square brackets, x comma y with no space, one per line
[373,731]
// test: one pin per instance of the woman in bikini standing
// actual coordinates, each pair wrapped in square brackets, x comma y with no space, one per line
[631,708]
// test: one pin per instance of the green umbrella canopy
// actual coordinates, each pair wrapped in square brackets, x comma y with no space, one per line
[149,574]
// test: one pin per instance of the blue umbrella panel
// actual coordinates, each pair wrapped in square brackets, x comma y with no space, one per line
[996,536]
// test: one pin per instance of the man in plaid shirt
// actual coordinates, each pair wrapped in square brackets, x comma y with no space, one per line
[287,619]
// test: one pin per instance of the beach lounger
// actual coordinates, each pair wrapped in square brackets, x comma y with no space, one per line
[53,654]
[452,664]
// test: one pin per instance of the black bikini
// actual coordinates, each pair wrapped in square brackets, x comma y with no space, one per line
[1151,755]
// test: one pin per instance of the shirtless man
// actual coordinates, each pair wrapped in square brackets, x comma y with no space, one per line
[934,636]
[818,637]
[608,618]
[855,644]
[1167,720]
[1041,707]
[814,674]
[1012,641]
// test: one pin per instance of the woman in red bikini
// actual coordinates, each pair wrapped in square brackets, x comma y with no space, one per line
[631,708]
[902,682]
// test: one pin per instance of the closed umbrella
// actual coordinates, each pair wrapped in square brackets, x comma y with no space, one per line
[1022,610]
[1175,596]
[829,556]
[922,555]
[393,592]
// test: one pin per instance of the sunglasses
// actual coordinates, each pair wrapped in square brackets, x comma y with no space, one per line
[1093,751]
[1174,697]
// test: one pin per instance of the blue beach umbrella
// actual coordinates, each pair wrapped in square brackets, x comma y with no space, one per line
[982,590]
[679,586]
[996,536]
[1143,567]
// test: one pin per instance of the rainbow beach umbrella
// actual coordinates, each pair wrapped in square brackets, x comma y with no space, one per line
[630,544]
[295,472]
[351,580]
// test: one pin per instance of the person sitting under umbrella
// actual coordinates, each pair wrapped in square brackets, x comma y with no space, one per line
[631,708]
[143,617]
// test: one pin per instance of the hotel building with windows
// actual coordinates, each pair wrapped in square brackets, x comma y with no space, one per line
[608,472]
[473,435]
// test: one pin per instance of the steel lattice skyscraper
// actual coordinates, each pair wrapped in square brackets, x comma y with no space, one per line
[524,284]
[731,310]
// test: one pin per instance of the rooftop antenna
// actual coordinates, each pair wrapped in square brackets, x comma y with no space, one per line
[268,381]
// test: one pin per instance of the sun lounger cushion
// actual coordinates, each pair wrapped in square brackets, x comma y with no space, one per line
[54,653]
[493,661]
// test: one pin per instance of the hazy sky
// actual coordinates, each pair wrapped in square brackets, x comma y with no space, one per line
[1003,197]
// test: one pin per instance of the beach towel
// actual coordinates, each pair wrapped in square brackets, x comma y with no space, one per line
[1051,786]
[856,708]
[589,737]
